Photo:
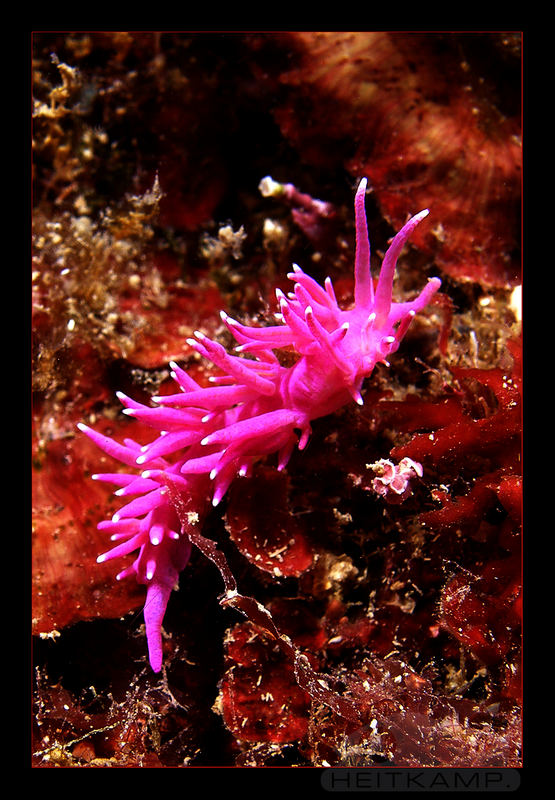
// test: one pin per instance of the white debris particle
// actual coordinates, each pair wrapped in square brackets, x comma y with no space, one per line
[50,635]
[268,187]
[516,302]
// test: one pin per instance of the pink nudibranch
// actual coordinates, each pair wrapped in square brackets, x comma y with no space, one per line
[205,437]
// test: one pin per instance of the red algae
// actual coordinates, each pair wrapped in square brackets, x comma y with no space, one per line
[68,585]
[260,699]
[457,437]
[425,130]
[266,534]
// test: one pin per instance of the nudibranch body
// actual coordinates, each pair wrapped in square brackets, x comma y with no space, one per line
[206,437]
